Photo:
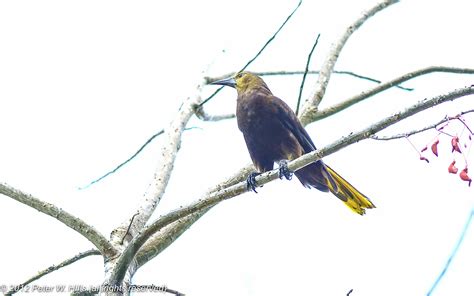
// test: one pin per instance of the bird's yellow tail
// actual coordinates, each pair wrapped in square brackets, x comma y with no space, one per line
[352,197]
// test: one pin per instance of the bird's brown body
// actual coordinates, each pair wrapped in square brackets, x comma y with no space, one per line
[273,133]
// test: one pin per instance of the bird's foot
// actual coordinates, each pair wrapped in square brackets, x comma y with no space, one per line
[283,170]
[251,183]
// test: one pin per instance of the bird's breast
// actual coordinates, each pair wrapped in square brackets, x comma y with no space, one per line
[253,116]
[260,120]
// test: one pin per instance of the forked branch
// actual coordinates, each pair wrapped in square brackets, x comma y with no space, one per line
[311,105]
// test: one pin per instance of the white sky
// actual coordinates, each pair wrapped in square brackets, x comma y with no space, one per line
[84,84]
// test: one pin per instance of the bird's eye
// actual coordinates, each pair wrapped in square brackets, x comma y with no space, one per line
[239,75]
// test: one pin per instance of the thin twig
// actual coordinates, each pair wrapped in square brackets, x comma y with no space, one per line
[305,73]
[464,123]
[453,253]
[259,52]
[417,131]
[125,162]
[311,105]
[171,291]
[86,230]
[52,268]
[311,72]
[128,229]
[378,89]
[370,79]
[130,158]
[226,193]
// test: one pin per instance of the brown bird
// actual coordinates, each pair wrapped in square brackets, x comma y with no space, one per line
[273,133]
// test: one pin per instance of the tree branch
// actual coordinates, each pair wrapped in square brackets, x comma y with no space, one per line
[259,52]
[156,189]
[417,131]
[305,73]
[201,114]
[215,197]
[52,268]
[311,105]
[125,162]
[209,80]
[170,233]
[367,94]
[161,240]
[170,147]
[87,231]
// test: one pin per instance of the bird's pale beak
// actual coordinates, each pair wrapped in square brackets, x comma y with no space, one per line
[227,81]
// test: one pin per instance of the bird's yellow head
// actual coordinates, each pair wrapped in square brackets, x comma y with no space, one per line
[242,82]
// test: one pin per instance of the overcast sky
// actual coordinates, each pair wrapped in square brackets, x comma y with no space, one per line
[84,84]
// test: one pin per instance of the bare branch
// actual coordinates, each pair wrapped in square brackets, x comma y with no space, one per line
[201,114]
[209,80]
[218,117]
[86,230]
[367,94]
[170,233]
[417,131]
[163,171]
[156,189]
[259,52]
[161,240]
[305,73]
[125,162]
[173,231]
[52,268]
[311,105]
[407,134]
[226,193]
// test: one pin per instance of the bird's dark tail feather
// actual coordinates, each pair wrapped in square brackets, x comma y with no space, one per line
[324,178]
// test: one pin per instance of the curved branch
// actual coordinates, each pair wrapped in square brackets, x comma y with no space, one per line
[311,105]
[52,268]
[222,194]
[378,89]
[86,230]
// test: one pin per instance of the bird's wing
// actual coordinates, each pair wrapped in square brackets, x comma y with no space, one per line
[292,123]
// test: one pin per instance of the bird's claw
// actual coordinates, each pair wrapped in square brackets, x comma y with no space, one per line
[251,183]
[284,171]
